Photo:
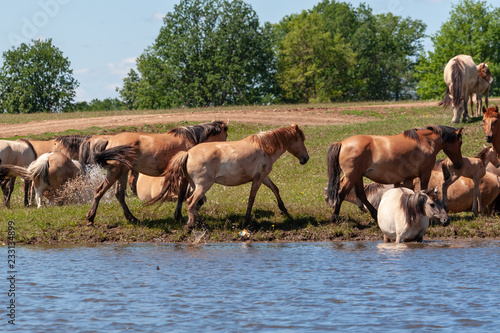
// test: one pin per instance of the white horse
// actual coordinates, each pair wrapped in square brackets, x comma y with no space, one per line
[463,79]
[403,215]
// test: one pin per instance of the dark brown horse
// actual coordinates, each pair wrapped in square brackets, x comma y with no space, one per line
[151,154]
[387,159]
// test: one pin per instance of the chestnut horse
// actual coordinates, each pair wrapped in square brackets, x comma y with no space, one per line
[463,78]
[387,159]
[230,164]
[473,168]
[151,154]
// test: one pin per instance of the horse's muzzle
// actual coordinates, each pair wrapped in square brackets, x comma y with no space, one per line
[304,160]
[445,222]
[489,138]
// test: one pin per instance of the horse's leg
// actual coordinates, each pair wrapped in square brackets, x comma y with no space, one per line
[476,203]
[466,113]
[386,239]
[192,204]
[9,189]
[180,199]
[26,185]
[360,193]
[269,183]
[253,192]
[345,187]
[132,181]
[120,189]
[112,176]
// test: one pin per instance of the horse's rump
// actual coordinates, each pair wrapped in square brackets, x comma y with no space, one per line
[173,174]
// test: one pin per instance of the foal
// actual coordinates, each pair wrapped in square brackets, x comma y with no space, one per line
[473,168]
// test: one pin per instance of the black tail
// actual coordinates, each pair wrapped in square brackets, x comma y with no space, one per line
[87,152]
[124,154]
[333,167]
[446,102]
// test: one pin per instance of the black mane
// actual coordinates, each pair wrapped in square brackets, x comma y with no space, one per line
[199,133]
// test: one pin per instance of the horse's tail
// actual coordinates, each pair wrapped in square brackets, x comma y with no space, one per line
[87,152]
[39,169]
[175,172]
[10,171]
[123,154]
[457,70]
[446,102]
[333,167]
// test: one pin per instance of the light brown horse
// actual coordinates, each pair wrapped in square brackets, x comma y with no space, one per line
[69,145]
[491,127]
[473,168]
[230,164]
[151,154]
[463,78]
[387,159]
[149,187]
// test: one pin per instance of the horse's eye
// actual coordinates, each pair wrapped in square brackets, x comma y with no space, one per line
[432,205]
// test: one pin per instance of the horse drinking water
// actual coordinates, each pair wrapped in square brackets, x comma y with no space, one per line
[403,215]
[387,159]
[231,164]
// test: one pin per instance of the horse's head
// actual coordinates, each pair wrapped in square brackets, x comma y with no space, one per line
[297,147]
[453,148]
[492,157]
[490,122]
[434,208]
[484,72]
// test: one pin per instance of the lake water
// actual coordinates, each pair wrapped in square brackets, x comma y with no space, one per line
[437,286]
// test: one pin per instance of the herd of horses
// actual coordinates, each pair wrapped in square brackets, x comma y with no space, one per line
[183,163]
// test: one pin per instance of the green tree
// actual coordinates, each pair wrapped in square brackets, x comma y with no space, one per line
[36,78]
[473,29]
[207,53]
[129,91]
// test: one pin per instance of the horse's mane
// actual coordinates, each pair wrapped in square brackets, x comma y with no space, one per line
[447,133]
[483,153]
[199,133]
[272,141]
[491,112]
[413,206]
[29,145]
[72,142]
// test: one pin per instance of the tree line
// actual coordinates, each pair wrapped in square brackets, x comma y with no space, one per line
[214,53]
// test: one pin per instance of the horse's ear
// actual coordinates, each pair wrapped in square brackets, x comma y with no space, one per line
[459,131]
[484,109]
[496,108]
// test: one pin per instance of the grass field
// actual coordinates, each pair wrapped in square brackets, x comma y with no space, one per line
[301,188]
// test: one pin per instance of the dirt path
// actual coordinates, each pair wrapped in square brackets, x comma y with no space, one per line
[279,117]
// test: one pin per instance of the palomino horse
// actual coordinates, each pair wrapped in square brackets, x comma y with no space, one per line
[387,159]
[51,171]
[491,126]
[463,79]
[230,164]
[473,168]
[403,215]
[151,154]
[20,153]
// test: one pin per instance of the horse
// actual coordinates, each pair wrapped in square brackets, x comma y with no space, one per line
[463,78]
[473,168]
[66,144]
[491,127]
[231,164]
[149,187]
[403,215]
[51,171]
[374,193]
[20,153]
[387,159]
[151,155]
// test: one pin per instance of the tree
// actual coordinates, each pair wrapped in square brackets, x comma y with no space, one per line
[129,91]
[36,78]
[473,29]
[207,53]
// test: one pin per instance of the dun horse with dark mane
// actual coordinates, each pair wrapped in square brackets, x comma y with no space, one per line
[387,160]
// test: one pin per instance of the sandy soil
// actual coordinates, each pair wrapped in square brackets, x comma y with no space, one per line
[279,117]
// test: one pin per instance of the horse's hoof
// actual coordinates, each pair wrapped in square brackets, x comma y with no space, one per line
[188,228]
[90,224]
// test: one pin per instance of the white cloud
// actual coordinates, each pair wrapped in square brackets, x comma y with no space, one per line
[122,68]
[158,17]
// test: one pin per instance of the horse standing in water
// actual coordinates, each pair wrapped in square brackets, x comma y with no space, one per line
[387,159]
[230,164]
[473,168]
[151,155]
[463,78]
[403,215]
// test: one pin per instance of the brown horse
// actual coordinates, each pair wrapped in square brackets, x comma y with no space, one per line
[230,164]
[491,126]
[473,168]
[387,159]
[151,154]
[69,145]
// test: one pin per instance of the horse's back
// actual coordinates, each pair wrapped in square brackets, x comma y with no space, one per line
[61,169]
[19,153]
[467,69]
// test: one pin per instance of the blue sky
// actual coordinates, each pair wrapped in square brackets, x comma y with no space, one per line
[103,38]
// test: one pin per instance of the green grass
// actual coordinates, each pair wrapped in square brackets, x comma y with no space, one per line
[301,188]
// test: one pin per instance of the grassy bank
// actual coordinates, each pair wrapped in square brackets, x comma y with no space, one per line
[301,188]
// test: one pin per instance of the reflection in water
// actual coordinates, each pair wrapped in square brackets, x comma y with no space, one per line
[344,286]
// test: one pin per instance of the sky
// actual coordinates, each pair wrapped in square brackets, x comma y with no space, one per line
[102,38]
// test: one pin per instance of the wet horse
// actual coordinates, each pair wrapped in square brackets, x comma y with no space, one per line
[20,153]
[403,215]
[231,164]
[151,155]
[387,159]
[473,168]
[463,79]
